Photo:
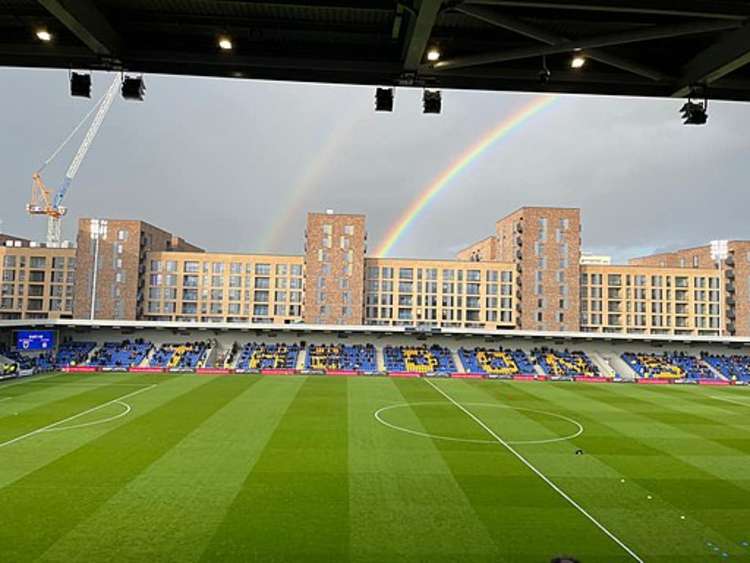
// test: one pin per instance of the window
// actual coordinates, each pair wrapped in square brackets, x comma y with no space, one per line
[262,270]
[37,262]
[191,266]
[281,269]
[327,229]
[122,234]
[296,270]
[349,230]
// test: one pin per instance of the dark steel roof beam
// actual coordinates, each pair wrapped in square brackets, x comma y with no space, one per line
[87,23]
[634,36]
[419,33]
[535,32]
[729,53]
[684,8]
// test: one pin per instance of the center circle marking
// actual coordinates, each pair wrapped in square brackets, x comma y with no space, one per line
[379,417]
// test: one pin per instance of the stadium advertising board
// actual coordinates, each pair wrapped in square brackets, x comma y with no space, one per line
[35,340]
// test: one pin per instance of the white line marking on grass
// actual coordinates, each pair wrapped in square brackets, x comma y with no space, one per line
[29,379]
[728,400]
[379,417]
[539,474]
[68,419]
[127,410]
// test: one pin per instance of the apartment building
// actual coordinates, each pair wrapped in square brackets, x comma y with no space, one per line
[528,274]
[216,287]
[111,260]
[335,247]
[439,293]
[37,281]
[544,246]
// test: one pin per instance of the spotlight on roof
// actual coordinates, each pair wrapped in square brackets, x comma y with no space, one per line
[432,101]
[577,61]
[80,85]
[225,43]
[433,55]
[133,88]
[384,99]
[43,35]
[694,113]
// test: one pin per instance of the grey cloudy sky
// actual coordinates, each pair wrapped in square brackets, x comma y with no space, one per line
[234,165]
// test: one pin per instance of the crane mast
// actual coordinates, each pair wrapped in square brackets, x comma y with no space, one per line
[42,203]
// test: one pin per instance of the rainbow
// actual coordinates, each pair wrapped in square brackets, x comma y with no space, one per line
[310,178]
[502,130]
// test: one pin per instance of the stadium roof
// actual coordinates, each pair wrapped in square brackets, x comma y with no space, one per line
[632,47]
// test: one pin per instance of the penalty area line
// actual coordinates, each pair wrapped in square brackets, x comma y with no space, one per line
[68,419]
[536,471]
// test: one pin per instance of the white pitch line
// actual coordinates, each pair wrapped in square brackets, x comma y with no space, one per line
[68,419]
[539,474]
[30,379]
[735,401]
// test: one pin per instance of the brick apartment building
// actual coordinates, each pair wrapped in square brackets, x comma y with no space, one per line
[529,274]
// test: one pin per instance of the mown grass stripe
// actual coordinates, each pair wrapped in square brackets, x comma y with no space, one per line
[294,504]
[400,489]
[188,490]
[656,523]
[43,506]
[57,404]
[506,496]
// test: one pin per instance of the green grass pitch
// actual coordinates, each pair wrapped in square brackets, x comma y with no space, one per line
[131,467]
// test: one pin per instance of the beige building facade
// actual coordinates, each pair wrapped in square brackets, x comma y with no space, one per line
[439,293]
[528,274]
[217,287]
[36,282]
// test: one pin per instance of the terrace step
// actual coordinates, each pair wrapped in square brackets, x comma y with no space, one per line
[605,368]
[620,366]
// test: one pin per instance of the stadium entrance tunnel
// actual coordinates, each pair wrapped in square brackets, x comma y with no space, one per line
[443,421]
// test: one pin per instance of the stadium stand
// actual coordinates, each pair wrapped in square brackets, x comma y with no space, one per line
[668,366]
[121,354]
[565,363]
[495,362]
[418,359]
[8,370]
[341,357]
[24,361]
[735,367]
[179,356]
[268,356]
[73,353]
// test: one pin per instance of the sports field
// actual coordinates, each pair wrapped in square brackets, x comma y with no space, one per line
[126,467]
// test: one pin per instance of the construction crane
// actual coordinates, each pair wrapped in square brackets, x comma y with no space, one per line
[42,201]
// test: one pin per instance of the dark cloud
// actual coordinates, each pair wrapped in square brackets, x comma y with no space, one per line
[234,165]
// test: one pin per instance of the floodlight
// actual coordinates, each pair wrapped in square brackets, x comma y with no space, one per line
[432,101]
[694,113]
[384,99]
[43,35]
[433,55]
[577,61]
[80,85]
[133,88]
[225,43]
